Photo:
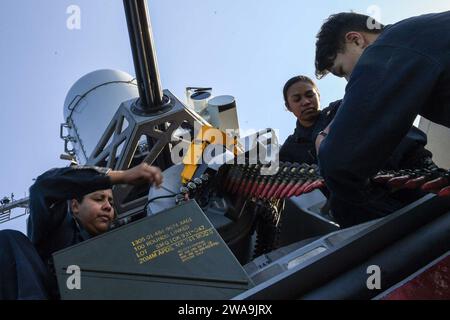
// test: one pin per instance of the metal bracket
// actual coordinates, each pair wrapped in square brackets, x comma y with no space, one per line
[67,138]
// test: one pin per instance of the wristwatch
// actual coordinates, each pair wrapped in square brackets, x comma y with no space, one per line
[323,134]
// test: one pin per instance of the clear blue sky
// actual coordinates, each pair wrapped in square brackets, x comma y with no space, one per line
[246,48]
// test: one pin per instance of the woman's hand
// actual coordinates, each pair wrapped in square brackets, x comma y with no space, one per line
[140,174]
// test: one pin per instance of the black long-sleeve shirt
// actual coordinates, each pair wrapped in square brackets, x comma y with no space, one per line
[300,146]
[51,227]
[405,72]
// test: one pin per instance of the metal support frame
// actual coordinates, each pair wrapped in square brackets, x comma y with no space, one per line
[117,147]
[5,210]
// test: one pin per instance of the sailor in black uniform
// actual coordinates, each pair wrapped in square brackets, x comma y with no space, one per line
[394,73]
[67,206]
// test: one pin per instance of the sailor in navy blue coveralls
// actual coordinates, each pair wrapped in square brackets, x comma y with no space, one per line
[405,72]
[410,153]
[26,262]
[26,270]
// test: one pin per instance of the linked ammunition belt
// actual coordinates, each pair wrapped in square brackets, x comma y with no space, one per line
[268,227]
[294,179]
[193,188]
[432,179]
[291,179]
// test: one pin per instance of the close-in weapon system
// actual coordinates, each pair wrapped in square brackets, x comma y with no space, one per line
[229,221]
